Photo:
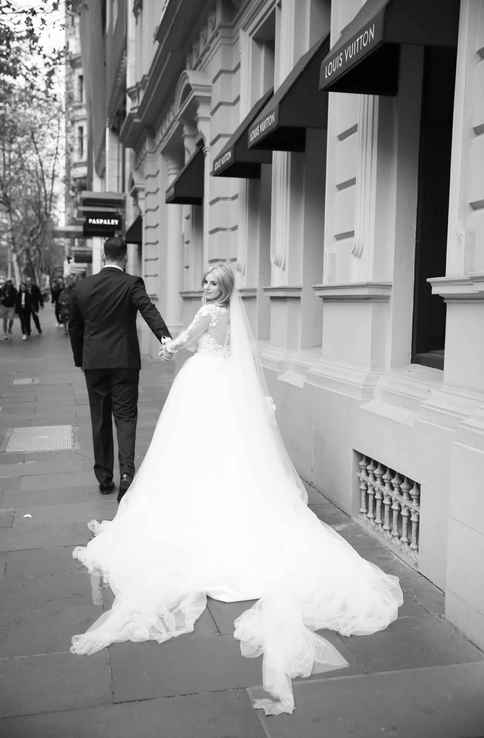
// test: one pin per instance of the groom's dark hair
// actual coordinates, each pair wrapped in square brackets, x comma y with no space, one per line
[115,249]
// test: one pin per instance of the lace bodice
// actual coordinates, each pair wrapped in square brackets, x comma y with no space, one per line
[208,332]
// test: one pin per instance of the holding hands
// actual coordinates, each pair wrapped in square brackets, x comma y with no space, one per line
[164,353]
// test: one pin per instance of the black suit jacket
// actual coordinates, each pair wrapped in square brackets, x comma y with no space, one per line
[102,325]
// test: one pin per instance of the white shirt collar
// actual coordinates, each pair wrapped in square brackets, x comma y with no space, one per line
[114,266]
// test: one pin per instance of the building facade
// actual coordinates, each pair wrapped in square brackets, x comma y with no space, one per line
[77,174]
[332,152]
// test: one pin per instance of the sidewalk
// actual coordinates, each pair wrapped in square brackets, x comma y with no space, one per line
[418,679]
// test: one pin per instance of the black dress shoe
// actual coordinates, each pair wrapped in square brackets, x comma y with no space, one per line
[106,487]
[124,482]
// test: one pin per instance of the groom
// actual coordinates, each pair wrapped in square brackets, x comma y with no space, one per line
[104,342]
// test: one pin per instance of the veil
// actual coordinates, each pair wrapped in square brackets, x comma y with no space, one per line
[246,361]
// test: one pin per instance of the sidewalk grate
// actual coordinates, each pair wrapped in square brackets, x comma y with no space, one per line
[26,380]
[41,438]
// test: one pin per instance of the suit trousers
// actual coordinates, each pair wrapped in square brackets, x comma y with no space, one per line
[113,392]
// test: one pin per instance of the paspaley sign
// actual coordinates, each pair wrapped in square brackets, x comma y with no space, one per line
[101,224]
[348,52]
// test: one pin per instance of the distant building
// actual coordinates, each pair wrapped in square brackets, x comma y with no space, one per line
[332,151]
[77,170]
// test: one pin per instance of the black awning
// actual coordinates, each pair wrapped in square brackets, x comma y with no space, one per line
[187,188]
[294,107]
[133,234]
[236,159]
[365,59]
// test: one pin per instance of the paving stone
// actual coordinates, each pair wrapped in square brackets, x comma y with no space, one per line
[443,702]
[46,628]
[39,562]
[329,514]
[6,518]
[409,643]
[185,665]
[53,456]
[224,613]
[44,535]
[70,586]
[426,593]
[58,481]
[54,681]
[102,507]
[68,462]
[40,497]
[216,715]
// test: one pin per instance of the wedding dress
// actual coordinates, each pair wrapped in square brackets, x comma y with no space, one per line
[217,509]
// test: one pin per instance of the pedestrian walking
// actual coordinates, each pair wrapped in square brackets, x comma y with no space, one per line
[8,296]
[104,342]
[64,300]
[37,301]
[23,308]
[55,290]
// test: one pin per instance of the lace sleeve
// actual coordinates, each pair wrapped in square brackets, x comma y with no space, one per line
[190,336]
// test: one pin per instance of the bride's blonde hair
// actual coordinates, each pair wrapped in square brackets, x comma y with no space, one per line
[225,277]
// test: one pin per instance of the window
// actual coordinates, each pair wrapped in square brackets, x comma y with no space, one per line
[80,142]
[80,88]
[433,204]
[262,61]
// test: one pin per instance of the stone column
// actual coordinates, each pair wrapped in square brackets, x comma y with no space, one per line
[173,311]
[364,239]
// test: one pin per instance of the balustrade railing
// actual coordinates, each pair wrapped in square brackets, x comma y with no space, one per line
[390,505]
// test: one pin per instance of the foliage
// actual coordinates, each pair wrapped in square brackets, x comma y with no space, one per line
[31,133]
[23,57]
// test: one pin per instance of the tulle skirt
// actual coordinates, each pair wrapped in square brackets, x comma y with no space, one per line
[215,510]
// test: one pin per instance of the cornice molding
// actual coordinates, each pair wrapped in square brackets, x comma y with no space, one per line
[459,288]
[191,294]
[289,292]
[354,291]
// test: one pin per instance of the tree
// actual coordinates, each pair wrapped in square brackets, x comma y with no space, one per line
[23,58]
[31,134]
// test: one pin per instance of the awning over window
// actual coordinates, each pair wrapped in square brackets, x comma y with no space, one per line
[133,234]
[236,159]
[366,57]
[294,107]
[187,188]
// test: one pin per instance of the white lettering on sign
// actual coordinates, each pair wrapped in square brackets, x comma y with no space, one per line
[352,50]
[264,124]
[103,221]
[222,160]
[363,40]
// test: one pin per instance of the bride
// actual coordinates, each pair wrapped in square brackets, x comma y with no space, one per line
[217,509]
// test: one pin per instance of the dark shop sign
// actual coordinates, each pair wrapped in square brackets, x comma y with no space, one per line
[348,53]
[223,161]
[101,224]
[262,126]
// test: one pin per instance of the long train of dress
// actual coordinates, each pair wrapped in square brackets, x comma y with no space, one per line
[212,511]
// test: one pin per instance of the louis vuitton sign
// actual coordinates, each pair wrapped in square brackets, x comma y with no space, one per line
[350,52]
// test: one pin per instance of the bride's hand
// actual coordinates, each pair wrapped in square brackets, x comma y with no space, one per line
[164,354]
